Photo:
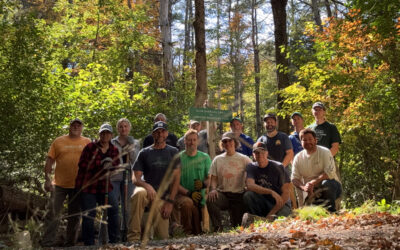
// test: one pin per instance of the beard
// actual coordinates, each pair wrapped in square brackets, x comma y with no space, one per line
[270,128]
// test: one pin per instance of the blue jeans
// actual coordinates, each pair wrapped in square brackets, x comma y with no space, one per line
[89,202]
[331,190]
[117,195]
[262,204]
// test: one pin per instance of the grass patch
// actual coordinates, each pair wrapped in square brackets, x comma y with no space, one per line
[371,206]
[311,213]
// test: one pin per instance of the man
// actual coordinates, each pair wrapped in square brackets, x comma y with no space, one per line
[246,142]
[227,183]
[316,166]
[97,161]
[268,186]
[194,179]
[64,152]
[278,143]
[152,164]
[327,133]
[298,125]
[202,140]
[171,139]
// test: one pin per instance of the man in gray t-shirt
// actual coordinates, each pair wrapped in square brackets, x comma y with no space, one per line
[152,164]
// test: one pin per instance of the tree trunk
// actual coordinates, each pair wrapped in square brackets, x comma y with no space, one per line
[165,26]
[328,8]
[187,33]
[200,60]
[316,14]
[16,201]
[279,14]
[254,38]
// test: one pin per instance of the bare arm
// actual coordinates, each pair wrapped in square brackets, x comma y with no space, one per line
[168,205]
[288,157]
[334,148]
[213,194]
[48,169]
[309,186]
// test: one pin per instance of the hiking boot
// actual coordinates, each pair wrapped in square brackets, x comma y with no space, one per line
[249,219]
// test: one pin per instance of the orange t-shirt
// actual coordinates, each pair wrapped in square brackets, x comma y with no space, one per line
[66,152]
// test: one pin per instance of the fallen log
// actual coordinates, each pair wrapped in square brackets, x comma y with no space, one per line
[16,201]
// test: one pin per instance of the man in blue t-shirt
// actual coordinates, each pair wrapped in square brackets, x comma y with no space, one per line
[246,142]
[298,124]
[278,143]
[327,133]
[267,186]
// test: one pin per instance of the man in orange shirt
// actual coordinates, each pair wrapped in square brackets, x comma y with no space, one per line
[64,152]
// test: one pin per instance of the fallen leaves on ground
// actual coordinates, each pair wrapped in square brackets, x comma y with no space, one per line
[344,231]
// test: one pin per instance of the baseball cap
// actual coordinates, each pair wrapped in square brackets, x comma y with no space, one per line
[296,113]
[160,124]
[269,115]
[193,122]
[237,118]
[318,104]
[229,136]
[260,146]
[76,120]
[105,127]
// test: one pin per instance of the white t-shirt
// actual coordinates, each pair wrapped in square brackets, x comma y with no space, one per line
[309,167]
[230,172]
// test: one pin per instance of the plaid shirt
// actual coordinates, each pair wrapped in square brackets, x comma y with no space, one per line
[91,179]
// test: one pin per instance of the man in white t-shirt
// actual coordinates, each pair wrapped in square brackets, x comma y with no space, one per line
[228,176]
[316,166]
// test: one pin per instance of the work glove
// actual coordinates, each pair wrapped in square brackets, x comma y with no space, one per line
[198,185]
[196,197]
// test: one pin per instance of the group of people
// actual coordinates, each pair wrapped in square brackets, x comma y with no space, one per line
[177,179]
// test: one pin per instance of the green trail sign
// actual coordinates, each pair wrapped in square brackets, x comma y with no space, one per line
[207,114]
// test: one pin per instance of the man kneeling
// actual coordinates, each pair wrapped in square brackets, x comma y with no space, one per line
[268,187]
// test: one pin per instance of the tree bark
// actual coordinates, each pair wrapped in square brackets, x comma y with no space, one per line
[328,8]
[200,60]
[316,14]
[279,14]
[254,38]
[165,26]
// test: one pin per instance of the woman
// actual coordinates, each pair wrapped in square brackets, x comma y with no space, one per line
[227,183]
[122,179]
[95,163]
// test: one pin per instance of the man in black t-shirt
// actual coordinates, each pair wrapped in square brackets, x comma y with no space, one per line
[267,186]
[327,133]
[152,164]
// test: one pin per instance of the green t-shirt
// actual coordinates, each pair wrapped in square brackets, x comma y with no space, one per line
[194,168]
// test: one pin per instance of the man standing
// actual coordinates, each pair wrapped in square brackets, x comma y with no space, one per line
[152,163]
[194,179]
[64,152]
[298,124]
[202,139]
[245,141]
[327,133]
[268,186]
[171,139]
[278,143]
[316,166]
[228,173]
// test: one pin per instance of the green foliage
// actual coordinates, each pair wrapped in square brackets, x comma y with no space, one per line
[311,213]
[370,206]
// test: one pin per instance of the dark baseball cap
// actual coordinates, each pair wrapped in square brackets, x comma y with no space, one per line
[296,113]
[76,120]
[319,104]
[260,146]
[269,115]
[160,124]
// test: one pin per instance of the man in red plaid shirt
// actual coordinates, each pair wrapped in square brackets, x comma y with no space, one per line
[97,159]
